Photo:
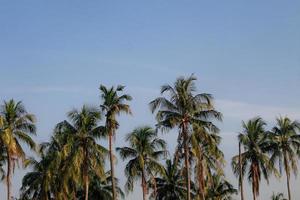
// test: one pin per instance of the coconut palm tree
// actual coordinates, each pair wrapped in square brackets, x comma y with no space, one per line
[181,109]
[220,189]
[112,105]
[85,154]
[2,150]
[278,196]
[144,150]
[208,157]
[254,159]
[170,184]
[284,145]
[36,185]
[100,188]
[17,126]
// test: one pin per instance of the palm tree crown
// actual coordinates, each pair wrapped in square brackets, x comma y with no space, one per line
[284,144]
[144,150]
[183,109]
[254,158]
[85,154]
[17,125]
[113,104]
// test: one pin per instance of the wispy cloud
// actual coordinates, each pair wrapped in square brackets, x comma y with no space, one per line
[45,89]
[242,110]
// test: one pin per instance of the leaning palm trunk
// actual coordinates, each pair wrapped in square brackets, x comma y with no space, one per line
[114,195]
[287,176]
[241,172]
[8,179]
[186,160]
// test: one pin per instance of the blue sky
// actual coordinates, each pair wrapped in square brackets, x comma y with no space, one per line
[54,55]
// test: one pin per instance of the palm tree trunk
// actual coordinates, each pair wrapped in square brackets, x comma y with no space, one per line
[112,167]
[241,172]
[253,182]
[144,184]
[86,187]
[86,175]
[287,176]
[8,179]
[201,175]
[186,160]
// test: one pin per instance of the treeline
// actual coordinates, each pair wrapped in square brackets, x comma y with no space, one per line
[72,164]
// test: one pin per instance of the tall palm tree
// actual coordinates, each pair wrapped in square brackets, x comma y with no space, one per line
[220,189]
[278,196]
[254,159]
[144,150]
[112,105]
[18,124]
[208,157]
[86,155]
[2,150]
[284,145]
[182,109]
[170,184]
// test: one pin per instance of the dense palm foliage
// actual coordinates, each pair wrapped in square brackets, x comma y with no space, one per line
[100,188]
[220,189]
[112,105]
[170,184]
[85,155]
[183,109]
[17,125]
[254,160]
[284,146]
[73,164]
[143,152]
[209,159]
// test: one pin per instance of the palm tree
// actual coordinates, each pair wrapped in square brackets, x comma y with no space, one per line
[284,145]
[255,158]
[208,157]
[220,189]
[144,150]
[113,104]
[100,188]
[182,109]
[85,155]
[2,150]
[278,196]
[170,184]
[17,125]
[36,185]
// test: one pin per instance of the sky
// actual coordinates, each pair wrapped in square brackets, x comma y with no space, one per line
[55,54]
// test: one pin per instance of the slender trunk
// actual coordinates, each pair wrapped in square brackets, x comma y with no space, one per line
[144,185]
[86,187]
[8,179]
[186,160]
[241,173]
[254,181]
[112,166]
[86,175]
[201,175]
[287,176]
[154,186]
